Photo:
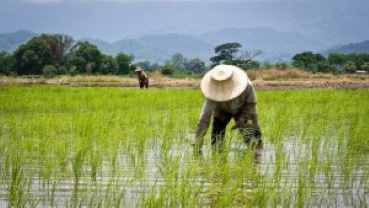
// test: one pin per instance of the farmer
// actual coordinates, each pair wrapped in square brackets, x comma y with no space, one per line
[143,79]
[229,94]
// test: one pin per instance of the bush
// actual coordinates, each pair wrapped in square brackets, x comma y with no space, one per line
[267,65]
[365,66]
[72,70]
[350,67]
[167,70]
[7,64]
[281,65]
[62,70]
[325,67]
[49,71]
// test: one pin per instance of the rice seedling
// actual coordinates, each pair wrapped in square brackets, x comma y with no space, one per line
[113,147]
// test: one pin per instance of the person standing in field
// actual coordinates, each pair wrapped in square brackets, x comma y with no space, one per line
[229,94]
[143,79]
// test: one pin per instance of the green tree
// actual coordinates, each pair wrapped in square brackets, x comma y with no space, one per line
[308,60]
[350,67]
[108,65]
[49,71]
[168,69]
[124,60]
[86,57]
[7,63]
[225,53]
[360,59]
[365,66]
[32,56]
[337,59]
[231,53]
[195,65]
[178,61]
[60,45]
[325,67]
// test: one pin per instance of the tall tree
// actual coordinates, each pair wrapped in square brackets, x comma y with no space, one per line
[32,56]
[231,53]
[225,53]
[195,65]
[108,65]
[86,57]
[337,59]
[308,60]
[7,63]
[59,44]
[124,61]
[178,61]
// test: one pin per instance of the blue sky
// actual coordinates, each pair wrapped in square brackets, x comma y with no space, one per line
[117,19]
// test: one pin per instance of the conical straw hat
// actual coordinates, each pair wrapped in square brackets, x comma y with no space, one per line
[224,83]
[138,69]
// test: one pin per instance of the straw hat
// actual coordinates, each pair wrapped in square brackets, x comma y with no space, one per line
[224,83]
[138,69]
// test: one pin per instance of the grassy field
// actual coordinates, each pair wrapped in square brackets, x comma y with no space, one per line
[114,147]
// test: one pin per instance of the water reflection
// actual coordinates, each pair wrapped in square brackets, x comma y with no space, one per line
[282,163]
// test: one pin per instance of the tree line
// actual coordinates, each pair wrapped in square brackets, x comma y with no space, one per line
[335,62]
[232,53]
[56,54]
[53,54]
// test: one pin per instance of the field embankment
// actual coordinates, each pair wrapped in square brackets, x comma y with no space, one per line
[263,79]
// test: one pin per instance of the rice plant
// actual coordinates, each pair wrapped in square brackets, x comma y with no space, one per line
[114,147]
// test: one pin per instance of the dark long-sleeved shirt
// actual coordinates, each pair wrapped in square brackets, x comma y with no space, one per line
[142,76]
[234,107]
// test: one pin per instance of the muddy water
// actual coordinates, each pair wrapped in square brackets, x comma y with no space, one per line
[63,191]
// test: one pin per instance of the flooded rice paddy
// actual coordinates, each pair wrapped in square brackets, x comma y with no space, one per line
[112,147]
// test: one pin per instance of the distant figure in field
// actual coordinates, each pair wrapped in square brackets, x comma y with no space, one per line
[229,94]
[143,79]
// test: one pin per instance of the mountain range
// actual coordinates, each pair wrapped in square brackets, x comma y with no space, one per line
[361,47]
[276,45]
[10,41]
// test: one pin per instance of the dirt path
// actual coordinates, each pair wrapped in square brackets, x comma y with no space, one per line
[162,82]
[301,84]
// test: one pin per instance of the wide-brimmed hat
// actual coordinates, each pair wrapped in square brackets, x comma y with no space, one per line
[224,83]
[138,69]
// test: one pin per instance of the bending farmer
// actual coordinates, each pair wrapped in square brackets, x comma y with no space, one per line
[229,94]
[143,79]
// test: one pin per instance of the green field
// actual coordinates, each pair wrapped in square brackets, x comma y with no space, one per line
[114,147]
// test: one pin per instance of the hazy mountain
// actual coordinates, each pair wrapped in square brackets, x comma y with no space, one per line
[274,44]
[157,48]
[10,41]
[361,47]
[161,47]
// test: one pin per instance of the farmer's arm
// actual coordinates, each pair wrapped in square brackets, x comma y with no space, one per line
[204,122]
[251,110]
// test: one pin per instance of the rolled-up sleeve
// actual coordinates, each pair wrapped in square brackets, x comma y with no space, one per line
[205,116]
[251,94]
[249,114]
